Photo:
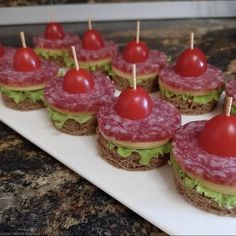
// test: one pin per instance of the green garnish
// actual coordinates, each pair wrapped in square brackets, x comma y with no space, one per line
[146,155]
[223,200]
[199,99]
[59,118]
[20,96]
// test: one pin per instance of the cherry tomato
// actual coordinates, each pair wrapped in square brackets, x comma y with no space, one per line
[54,31]
[219,136]
[192,62]
[1,50]
[92,40]
[78,81]
[134,104]
[136,52]
[26,60]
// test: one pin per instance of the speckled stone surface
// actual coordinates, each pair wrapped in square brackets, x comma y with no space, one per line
[40,196]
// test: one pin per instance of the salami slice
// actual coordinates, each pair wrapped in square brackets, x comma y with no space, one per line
[108,51]
[12,78]
[194,160]
[160,125]
[153,64]
[212,79]
[230,88]
[7,58]
[66,42]
[102,92]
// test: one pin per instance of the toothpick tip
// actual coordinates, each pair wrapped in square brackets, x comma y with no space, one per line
[192,40]
[75,57]
[229,101]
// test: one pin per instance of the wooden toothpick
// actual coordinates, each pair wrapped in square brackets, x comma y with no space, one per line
[138,32]
[228,106]
[191,40]
[22,37]
[90,23]
[75,57]
[134,76]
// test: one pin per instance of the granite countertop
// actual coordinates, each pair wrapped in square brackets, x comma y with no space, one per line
[39,195]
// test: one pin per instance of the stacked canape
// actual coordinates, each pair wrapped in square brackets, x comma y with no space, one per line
[191,85]
[230,91]
[22,82]
[54,44]
[73,100]
[94,54]
[204,162]
[149,64]
[135,130]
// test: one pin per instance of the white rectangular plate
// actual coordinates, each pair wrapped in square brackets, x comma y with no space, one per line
[151,194]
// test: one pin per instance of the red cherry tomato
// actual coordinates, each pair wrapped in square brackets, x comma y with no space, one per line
[92,40]
[78,81]
[192,62]
[134,104]
[136,52]
[54,31]
[26,60]
[1,50]
[219,136]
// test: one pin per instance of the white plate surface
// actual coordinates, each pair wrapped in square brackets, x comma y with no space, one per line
[150,194]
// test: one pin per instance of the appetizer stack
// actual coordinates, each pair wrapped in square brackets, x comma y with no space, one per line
[54,44]
[94,53]
[23,78]
[149,63]
[74,99]
[135,130]
[191,85]
[204,159]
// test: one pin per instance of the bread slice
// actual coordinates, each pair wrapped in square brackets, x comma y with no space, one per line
[75,128]
[201,201]
[128,163]
[188,106]
[25,105]
[149,84]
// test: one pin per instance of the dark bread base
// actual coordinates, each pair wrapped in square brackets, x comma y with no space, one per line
[26,105]
[101,68]
[74,128]
[59,60]
[200,201]
[150,85]
[189,107]
[129,163]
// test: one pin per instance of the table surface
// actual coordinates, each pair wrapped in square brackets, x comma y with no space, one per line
[39,195]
